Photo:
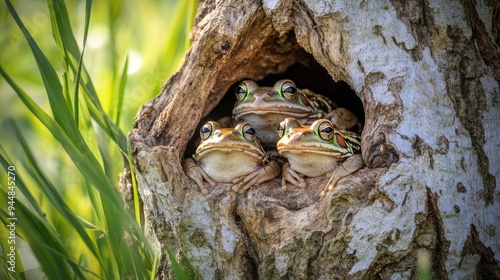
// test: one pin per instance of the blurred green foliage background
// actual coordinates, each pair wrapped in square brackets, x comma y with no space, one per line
[150,37]
[153,34]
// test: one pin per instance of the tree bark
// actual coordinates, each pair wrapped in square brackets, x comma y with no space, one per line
[427,74]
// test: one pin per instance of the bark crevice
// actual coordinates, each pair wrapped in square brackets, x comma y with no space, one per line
[488,266]
[464,71]
[441,244]
[488,48]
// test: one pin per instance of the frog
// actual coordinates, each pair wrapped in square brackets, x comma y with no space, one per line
[266,107]
[230,155]
[315,150]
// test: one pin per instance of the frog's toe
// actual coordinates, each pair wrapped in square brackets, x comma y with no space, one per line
[291,176]
[204,190]
[237,180]
[283,183]
[295,179]
[244,188]
[323,193]
[235,188]
[329,188]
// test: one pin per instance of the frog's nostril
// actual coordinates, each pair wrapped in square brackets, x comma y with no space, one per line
[265,95]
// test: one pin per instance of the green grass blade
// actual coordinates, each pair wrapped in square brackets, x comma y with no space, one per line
[39,234]
[114,9]
[135,189]
[110,266]
[88,132]
[178,271]
[67,42]
[53,195]
[88,8]
[6,274]
[76,148]
[18,272]
[88,165]
[191,11]
[30,200]
[58,12]
[90,226]
[121,92]
[67,93]
[50,79]
[104,121]
[75,111]
[155,268]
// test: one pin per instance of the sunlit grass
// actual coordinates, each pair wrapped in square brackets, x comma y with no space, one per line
[64,121]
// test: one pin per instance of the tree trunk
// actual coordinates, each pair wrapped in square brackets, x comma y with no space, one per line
[424,78]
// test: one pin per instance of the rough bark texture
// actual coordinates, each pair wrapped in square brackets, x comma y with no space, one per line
[427,74]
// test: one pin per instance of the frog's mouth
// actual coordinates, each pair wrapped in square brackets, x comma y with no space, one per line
[282,111]
[231,149]
[313,150]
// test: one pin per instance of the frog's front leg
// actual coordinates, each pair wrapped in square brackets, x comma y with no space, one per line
[349,166]
[292,176]
[195,172]
[265,173]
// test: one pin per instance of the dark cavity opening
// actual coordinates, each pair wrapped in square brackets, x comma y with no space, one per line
[307,73]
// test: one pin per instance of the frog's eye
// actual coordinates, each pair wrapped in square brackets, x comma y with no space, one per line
[241,91]
[326,131]
[207,129]
[281,129]
[248,132]
[289,90]
[287,125]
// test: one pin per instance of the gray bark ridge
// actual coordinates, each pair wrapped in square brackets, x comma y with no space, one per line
[428,76]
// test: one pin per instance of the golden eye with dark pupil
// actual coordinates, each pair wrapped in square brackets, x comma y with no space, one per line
[326,131]
[289,91]
[248,132]
[205,131]
[241,91]
[281,129]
